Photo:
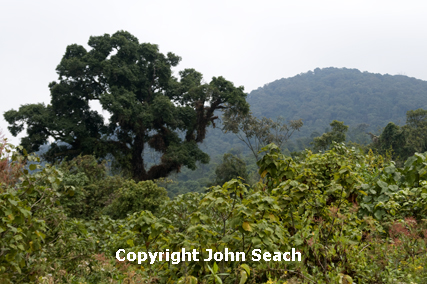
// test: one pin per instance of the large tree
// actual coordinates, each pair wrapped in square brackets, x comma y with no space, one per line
[148,107]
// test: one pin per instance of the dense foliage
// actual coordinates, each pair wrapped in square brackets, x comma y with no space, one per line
[232,167]
[354,217]
[336,134]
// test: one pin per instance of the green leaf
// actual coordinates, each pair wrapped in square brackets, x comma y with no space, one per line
[256,241]
[51,179]
[218,279]
[382,184]
[246,268]
[193,280]
[390,169]
[215,268]
[410,161]
[393,187]
[243,277]
[246,226]
[210,269]
[130,243]
[13,202]
[272,217]
[24,212]
[379,214]
[344,279]
[187,280]
[33,167]
[383,198]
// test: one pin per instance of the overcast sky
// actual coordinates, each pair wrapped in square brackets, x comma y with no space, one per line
[250,43]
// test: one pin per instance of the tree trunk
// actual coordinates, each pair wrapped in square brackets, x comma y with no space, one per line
[138,169]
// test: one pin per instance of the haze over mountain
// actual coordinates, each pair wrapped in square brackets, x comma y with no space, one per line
[348,95]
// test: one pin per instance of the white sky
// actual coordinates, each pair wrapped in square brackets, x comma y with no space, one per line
[250,43]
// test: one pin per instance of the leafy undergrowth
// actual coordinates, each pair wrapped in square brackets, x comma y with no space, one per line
[354,218]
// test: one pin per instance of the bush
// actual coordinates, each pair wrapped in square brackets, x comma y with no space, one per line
[134,197]
[86,188]
[231,167]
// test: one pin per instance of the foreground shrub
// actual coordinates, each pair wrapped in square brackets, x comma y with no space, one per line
[86,188]
[36,236]
[134,197]
[27,208]
[353,218]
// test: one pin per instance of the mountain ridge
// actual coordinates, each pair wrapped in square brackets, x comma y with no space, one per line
[343,94]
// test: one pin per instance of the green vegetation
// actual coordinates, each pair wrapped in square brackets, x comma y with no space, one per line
[403,142]
[134,197]
[353,216]
[256,133]
[232,167]
[86,188]
[337,134]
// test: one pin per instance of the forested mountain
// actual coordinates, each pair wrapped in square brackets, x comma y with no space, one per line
[348,95]
[366,102]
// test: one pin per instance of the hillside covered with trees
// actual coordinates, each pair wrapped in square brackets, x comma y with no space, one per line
[363,101]
[348,95]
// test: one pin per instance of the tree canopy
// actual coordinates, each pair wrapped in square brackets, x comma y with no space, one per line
[231,167]
[403,142]
[336,134]
[148,107]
